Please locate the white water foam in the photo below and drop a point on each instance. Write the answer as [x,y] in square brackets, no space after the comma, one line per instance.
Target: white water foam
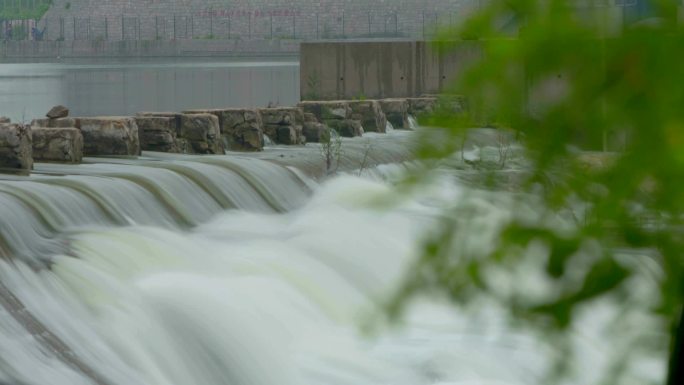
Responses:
[264,299]
[413,123]
[389,127]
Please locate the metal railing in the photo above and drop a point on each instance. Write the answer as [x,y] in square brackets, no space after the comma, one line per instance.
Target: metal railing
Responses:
[255,24]
[245,26]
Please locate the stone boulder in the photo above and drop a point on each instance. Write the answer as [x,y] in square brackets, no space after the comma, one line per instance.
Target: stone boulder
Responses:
[160,133]
[309,117]
[109,135]
[282,116]
[396,111]
[54,123]
[58,112]
[299,116]
[314,131]
[449,102]
[203,133]
[168,114]
[16,151]
[283,125]
[327,110]
[347,128]
[290,135]
[241,128]
[52,144]
[369,113]
[421,106]
[335,114]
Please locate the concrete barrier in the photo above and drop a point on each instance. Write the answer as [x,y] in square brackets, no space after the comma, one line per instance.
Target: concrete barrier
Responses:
[241,128]
[421,106]
[396,111]
[203,133]
[53,144]
[54,123]
[379,69]
[109,135]
[336,114]
[207,131]
[283,125]
[160,133]
[16,150]
[196,132]
[370,114]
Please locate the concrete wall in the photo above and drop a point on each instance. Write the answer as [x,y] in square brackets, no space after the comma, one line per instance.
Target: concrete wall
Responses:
[348,70]
[153,48]
[303,19]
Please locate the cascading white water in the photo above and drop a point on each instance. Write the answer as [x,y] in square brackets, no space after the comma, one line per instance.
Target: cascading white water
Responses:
[389,127]
[413,122]
[250,296]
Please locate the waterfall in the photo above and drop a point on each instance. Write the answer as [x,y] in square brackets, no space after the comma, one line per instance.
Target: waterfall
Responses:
[233,270]
[37,211]
[245,298]
[413,122]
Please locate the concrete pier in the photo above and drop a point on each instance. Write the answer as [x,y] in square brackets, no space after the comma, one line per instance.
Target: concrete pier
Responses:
[109,135]
[204,131]
[16,150]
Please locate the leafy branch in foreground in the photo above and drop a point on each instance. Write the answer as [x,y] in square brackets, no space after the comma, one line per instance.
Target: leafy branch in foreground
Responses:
[566,86]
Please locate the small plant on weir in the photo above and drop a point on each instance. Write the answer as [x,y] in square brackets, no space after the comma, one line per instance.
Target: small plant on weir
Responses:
[331,150]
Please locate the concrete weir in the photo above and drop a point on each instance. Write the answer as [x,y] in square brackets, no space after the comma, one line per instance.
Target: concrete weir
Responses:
[284,125]
[60,138]
[51,144]
[179,137]
[16,150]
[109,135]
[241,128]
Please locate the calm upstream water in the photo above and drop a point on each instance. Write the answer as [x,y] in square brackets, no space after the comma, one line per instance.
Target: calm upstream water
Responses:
[95,87]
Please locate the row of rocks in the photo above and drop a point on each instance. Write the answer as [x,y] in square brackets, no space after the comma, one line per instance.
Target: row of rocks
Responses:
[60,138]
[67,140]
[196,133]
[15,146]
[239,129]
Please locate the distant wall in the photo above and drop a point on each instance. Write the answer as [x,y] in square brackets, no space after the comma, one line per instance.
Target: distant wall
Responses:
[247,19]
[142,48]
[347,70]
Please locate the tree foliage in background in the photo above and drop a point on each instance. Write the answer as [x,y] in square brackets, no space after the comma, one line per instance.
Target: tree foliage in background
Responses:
[565,83]
[24,9]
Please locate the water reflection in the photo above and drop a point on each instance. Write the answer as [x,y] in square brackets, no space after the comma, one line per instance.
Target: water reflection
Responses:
[28,90]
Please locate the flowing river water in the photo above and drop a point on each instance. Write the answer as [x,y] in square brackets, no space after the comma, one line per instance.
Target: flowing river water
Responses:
[244,270]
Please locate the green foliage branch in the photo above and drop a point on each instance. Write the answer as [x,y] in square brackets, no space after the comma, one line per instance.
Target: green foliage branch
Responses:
[566,83]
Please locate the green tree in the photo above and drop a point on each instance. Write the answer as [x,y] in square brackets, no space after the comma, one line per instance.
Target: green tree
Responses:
[566,82]
[23,10]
